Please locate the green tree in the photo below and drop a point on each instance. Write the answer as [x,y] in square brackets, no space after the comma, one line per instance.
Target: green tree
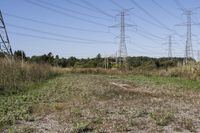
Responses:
[19,54]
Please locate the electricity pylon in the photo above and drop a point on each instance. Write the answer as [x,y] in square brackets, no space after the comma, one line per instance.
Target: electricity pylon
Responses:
[5,46]
[122,51]
[170,47]
[198,55]
[189,53]
[106,62]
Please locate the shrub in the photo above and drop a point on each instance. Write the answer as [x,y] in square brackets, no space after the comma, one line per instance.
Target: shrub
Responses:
[190,71]
[14,76]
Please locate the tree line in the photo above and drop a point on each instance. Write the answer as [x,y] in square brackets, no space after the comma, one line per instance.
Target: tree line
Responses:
[98,61]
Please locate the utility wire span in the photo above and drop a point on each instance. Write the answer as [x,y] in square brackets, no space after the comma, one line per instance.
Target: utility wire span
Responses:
[90,7]
[179,5]
[150,34]
[79,5]
[52,24]
[70,10]
[151,16]
[58,35]
[144,36]
[165,10]
[143,19]
[53,39]
[63,13]
[44,37]
[146,48]
[149,22]
[96,8]
[140,34]
[142,50]
[116,4]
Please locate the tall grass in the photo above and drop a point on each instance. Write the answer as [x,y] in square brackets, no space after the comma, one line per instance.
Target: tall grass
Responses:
[15,77]
[190,71]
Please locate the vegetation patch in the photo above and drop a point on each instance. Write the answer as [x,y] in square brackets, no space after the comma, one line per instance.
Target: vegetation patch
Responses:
[162,117]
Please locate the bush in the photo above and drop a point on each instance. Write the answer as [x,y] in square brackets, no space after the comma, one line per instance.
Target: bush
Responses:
[190,71]
[14,76]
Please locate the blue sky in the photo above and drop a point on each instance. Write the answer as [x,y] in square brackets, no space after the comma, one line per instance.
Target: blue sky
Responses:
[146,39]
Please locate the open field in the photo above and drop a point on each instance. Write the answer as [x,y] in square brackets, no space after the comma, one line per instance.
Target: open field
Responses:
[99,66]
[103,103]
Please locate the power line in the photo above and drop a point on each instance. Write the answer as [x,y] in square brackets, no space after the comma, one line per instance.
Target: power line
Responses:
[69,41]
[143,50]
[151,16]
[147,49]
[147,21]
[96,8]
[147,36]
[50,38]
[139,17]
[69,10]
[179,5]
[89,6]
[144,36]
[80,5]
[154,24]
[148,33]
[53,24]
[58,35]
[165,10]
[116,4]
[63,13]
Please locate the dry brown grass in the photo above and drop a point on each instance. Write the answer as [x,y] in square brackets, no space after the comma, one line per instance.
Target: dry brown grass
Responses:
[94,71]
[14,76]
[190,71]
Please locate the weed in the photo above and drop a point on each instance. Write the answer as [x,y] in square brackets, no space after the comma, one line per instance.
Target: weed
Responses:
[82,127]
[15,78]
[187,124]
[162,117]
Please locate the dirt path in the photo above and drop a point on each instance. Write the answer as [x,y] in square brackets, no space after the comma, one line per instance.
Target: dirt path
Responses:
[185,106]
[99,104]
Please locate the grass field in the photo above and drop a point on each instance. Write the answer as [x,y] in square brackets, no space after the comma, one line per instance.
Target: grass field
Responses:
[102,103]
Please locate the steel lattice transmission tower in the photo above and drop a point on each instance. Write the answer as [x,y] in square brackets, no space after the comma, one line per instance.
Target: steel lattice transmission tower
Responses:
[189,53]
[122,47]
[189,49]
[198,55]
[5,46]
[170,47]
[122,51]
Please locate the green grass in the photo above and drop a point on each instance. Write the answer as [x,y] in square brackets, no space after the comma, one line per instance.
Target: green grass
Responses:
[79,90]
[174,82]
[162,117]
[19,106]
[42,99]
